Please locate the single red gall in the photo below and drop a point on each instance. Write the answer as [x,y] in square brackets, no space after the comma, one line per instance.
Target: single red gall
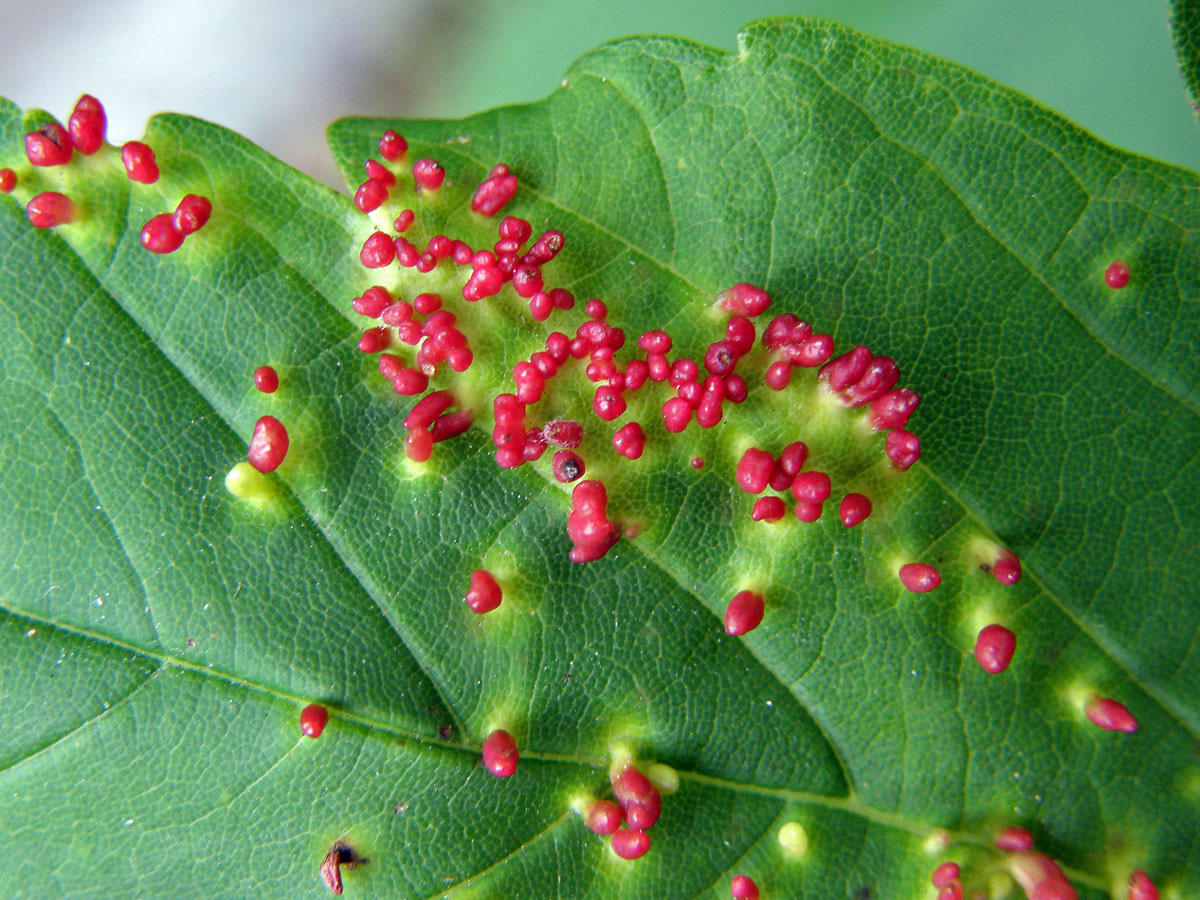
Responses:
[994,648]
[371,195]
[944,874]
[313,719]
[754,470]
[630,844]
[638,798]
[1007,569]
[418,445]
[1013,840]
[1110,715]
[484,594]
[50,145]
[140,164]
[854,508]
[920,578]
[768,509]
[268,444]
[392,146]
[378,250]
[159,235]
[428,408]
[629,441]
[1141,887]
[744,613]
[892,409]
[903,448]
[428,174]
[266,379]
[87,125]
[744,300]
[743,888]
[49,209]
[602,817]
[451,424]
[811,487]
[491,196]
[1116,276]
[192,214]
[500,754]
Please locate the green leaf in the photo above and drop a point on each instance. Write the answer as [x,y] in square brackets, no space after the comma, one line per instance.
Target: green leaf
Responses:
[1185,29]
[164,635]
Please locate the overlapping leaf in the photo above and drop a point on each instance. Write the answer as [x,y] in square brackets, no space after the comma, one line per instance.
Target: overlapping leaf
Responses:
[162,635]
[1185,29]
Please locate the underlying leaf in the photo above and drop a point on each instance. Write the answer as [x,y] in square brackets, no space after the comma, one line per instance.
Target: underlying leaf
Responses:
[165,635]
[1185,29]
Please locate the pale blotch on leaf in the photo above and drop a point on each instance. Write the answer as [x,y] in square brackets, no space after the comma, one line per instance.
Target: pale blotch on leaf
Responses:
[663,777]
[793,839]
[247,483]
[937,841]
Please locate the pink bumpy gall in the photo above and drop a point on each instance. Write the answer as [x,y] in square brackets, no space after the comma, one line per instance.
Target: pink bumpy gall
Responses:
[1007,568]
[1116,276]
[854,509]
[159,235]
[944,874]
[500,754]
[50,145]
[603,817]
[630,844]
[744,613]
[268,444]
[743,888]
[1013,840]
[139,162]
[994,648]
[1110,715]
[638,798]
[1141,887]
[87,125]
[49,209]
[920,578]
[484,594]
[313,719]
[266,379]
[192,214]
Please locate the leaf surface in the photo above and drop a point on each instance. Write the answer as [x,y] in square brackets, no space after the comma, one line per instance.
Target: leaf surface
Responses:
[165,635]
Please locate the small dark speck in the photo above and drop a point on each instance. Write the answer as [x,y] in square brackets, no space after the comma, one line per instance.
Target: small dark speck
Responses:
[984,567]
[863,893]
[400,808]
[445,732]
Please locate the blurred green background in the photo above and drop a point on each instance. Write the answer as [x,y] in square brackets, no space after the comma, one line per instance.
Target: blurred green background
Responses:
[279,70]
[1108,65]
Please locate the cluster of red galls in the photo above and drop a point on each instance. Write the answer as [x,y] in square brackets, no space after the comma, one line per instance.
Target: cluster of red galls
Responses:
[53,145]
[758,469]
[859,378]
[1039,876]
[269,441]
[626,821]
[638,802]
